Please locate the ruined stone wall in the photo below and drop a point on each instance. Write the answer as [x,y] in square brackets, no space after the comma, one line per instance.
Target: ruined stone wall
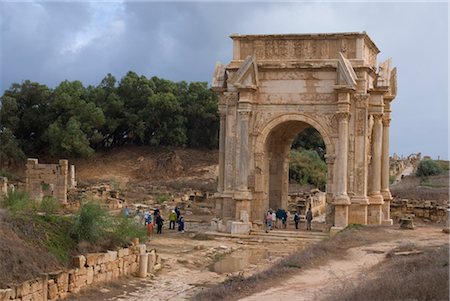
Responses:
[47,180]
[87,270]
[427,210]
[303,200]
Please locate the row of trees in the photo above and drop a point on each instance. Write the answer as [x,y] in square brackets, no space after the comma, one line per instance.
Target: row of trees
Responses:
[75,121]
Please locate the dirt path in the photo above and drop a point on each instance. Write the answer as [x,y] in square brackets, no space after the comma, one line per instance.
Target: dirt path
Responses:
[313,284]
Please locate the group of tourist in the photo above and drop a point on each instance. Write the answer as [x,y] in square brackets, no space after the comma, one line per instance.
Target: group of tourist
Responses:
[150,220]
[278,219]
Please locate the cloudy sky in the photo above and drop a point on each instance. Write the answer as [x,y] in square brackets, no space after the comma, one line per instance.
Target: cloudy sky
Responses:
[48,42]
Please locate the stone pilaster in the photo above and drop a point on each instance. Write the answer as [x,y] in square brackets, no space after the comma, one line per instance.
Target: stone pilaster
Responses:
[385,192]
[243,120]
[375,197]
[222,136]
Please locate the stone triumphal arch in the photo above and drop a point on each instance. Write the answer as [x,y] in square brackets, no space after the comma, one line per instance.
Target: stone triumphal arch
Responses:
[277,85]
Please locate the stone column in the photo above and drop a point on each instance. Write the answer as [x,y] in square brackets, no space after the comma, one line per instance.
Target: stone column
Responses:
[72,182]
[341,162]
[222,133]
[385,192]
[341,200]
[375,197]
[244,115]
[143,265]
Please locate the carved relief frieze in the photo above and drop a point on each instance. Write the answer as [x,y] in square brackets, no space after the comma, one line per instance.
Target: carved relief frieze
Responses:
[231,98]
[360,122]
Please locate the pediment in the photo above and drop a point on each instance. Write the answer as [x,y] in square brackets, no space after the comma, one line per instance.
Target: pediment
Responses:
[247,75]
[346,76]
[219,80]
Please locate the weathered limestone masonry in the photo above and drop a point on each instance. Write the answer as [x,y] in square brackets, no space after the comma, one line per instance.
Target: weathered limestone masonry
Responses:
[434,211]
[91,269]
[49,179]
[278,85]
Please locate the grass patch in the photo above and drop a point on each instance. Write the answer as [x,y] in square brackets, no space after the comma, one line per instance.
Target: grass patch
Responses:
[19,202]
[415,277]
[392,179]
[161,198]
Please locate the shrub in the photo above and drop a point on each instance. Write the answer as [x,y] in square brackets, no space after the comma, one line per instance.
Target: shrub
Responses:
[18,201]
[161,198]
[91,223]
[428,168]
[125,229]
[49,205]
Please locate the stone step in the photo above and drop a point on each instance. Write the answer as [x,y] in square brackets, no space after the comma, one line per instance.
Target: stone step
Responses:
[292,234]
[261,235]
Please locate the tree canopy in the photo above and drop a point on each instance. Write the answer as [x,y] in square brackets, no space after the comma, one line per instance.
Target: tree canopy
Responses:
[75,121]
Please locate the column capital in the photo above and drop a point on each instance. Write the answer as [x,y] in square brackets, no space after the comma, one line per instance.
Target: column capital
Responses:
[386,122]
[377,116]
[342,116]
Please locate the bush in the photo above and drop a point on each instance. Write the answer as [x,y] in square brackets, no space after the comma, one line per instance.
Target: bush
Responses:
[19,201]
[161,198]
[91,223]
[49,205]
[125,229]
[428,168]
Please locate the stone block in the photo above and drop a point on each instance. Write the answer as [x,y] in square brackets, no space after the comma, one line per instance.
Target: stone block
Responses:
[23,289]
[52,291]
[78,261]
[35,285]
[142,249]
[91,259]
[123,252]
[112,255]
[28,297]
[151,261]
[240,228]
[7,294]
[38,296]
[89,275]
[62,281]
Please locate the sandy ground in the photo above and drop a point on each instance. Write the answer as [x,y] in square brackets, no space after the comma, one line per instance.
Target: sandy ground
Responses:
[187,267]
[313,284]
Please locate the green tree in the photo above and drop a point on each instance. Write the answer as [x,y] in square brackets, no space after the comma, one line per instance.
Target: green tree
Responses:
[164,121]
[77,121]
[200,111]
[24,111]
[310,138]
[306,167]
[10,152]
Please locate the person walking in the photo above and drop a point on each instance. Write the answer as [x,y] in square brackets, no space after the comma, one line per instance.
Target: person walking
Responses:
[159,223]
[284,218]
[296,219]
[172,220]
[279,216]
[181,224]
[309,218]
[268,221]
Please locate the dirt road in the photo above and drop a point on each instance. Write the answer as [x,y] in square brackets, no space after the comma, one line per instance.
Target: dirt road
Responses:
[313,284]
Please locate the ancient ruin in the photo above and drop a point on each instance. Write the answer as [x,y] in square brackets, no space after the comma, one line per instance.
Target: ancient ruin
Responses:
[49,179]
[276,86]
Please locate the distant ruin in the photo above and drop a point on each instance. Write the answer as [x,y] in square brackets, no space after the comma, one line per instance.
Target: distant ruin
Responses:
[278,85]
[49,179]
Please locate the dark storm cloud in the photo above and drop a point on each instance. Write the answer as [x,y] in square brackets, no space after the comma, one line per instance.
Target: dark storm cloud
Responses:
[50,42]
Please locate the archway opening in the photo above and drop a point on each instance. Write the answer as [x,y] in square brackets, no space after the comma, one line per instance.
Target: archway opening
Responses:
[295,160]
